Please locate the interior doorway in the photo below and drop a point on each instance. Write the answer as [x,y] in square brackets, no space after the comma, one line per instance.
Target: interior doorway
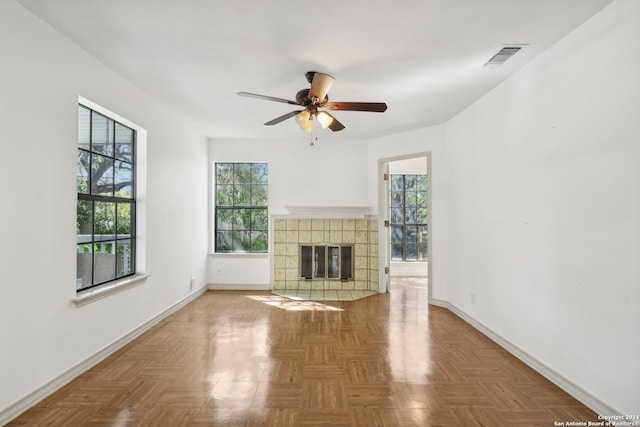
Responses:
[406,206]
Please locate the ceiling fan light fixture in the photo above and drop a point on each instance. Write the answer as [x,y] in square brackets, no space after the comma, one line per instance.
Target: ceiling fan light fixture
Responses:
[308,125]
[324,119]
[303,117]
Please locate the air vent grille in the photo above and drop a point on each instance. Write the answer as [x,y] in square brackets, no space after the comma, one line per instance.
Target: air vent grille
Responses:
[502,56]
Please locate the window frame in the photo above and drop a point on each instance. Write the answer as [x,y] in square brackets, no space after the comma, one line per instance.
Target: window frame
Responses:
[417,226]
[252,209]
[94,198]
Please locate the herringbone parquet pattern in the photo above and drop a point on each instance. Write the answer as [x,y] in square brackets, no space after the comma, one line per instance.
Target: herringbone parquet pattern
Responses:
[237,358]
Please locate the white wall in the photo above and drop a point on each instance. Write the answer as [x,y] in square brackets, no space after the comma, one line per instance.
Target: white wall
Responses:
[43,334]
[413,165]
[330,173]
[543,203]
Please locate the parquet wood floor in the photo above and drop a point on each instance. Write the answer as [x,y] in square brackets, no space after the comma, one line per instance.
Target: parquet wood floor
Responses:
[238,358]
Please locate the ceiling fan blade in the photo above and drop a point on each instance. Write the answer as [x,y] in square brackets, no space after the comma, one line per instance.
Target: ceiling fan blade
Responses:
[282,118]
[267,98]
[320,86]
[376,107]
[335,125]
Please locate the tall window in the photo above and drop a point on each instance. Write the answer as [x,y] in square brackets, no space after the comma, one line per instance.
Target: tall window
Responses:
[106,200]
[408,219]
[241,223]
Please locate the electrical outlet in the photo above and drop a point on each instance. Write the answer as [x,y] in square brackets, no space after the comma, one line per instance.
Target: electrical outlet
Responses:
[473,298]
[192,282]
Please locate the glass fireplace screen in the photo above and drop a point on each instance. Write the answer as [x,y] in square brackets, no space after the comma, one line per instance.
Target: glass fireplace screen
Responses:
[326,262]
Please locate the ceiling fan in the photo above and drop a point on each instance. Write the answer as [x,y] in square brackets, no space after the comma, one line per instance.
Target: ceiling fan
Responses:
[315,102]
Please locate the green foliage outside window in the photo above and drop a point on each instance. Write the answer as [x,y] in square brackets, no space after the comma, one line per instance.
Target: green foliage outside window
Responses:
[408,217]
[241,197]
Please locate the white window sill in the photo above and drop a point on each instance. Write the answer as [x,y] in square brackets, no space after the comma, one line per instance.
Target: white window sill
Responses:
[91,295]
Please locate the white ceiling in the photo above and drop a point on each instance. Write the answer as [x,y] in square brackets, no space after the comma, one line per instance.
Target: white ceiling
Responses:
[424,58]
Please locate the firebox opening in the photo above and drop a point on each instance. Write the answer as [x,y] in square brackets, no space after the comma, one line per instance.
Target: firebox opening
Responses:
[332,262]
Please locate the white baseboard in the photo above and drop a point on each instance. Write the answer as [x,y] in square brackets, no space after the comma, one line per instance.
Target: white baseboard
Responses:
[589,400]
[36,396]
[239,287]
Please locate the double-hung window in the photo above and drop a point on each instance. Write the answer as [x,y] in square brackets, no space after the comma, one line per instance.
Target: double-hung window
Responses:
[106,207]
[408,219]
[241,206]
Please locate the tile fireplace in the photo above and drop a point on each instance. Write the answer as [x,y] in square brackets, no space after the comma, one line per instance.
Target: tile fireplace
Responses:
[325,256]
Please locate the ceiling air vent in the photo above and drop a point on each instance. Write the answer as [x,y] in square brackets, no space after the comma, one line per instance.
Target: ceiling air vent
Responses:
[501,57]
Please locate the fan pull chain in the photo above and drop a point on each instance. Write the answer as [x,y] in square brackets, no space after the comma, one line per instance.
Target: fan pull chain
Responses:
[313,137]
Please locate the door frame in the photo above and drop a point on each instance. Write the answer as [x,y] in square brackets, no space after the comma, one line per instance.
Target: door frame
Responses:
[384,244]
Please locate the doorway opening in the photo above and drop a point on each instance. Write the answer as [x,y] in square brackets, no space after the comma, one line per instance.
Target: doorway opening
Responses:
[406,198]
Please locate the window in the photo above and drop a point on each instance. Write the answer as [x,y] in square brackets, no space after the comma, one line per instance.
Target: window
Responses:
[408,219]
[106,207]
[330,262]
[242,195]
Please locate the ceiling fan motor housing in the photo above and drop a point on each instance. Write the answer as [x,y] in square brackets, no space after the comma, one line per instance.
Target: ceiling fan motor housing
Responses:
[302,98]
[309,75]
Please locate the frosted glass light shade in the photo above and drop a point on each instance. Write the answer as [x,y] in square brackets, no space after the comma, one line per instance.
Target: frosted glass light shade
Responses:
[324,119]
[302,118]
[308,125]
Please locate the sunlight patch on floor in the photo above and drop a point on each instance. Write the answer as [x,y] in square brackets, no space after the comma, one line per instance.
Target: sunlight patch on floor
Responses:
[323,295]
[293,304]
[410,282]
